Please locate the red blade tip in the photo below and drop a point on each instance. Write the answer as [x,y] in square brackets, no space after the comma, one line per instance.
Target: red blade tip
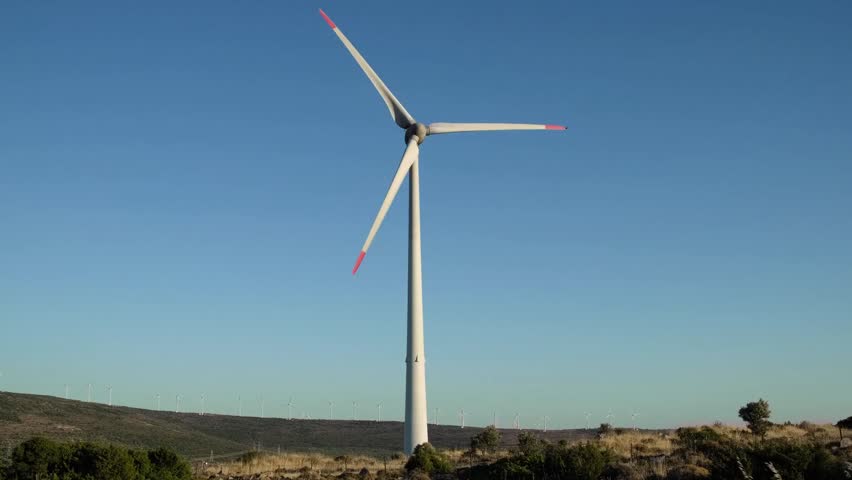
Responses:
[554,127]
[358,262]
[327,20]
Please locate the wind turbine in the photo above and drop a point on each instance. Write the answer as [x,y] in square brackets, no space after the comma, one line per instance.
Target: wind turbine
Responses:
[202,405]
[331,409]
[588,417]
[494,418]
[66,390]
[516,422]
[436,414]
[89,393]
[354,410]
[633,418]
[157,398]
[415,431]
[379,412]
[261,406]
[610,417]
[290,409]
[239,405]
[178,397]
[109,389]
[462,415]
[545,419]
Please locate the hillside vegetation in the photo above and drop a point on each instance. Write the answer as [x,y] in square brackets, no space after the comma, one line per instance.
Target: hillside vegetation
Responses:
[23,416]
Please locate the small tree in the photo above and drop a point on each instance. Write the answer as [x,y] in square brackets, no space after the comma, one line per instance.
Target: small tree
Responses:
[845,423]
[426,459]
[487,440]
[604,429]
[756,415]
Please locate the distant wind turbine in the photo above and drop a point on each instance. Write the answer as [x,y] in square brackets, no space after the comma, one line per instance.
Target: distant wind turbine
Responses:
[379,412]
[588,417]
[89,394]
[354,410]
[494,418]
[545,419]
[290,409]
[633,418]
[157,398]
[177,403]
[331,410]
[462,415]
[202,405]
[610,417]
[436,414]
[109,389]
[516,422]
[66,390]
[239,405]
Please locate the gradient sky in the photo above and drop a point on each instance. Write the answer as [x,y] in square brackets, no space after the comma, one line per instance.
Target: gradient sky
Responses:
[185,188]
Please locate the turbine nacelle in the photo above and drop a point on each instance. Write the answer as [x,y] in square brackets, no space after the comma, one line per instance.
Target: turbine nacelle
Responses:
[417,130]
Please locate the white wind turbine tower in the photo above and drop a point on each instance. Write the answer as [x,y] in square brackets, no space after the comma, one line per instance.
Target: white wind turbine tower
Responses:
[261,406]
[436,415]
[633,418]
[331,410]
[157,399]
[354,410]
[66,390]
[494,418]
[516,422]
[588,417]
[415,431]
[109,389]
[201,412]
[89,393]
[610,417]
[462,415]
[290,409]
[239,405]
[177,403]
[379,412]
[545,419]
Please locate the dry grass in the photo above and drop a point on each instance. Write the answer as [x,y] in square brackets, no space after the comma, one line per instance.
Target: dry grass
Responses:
[629,444]
[293,463]
[638,444]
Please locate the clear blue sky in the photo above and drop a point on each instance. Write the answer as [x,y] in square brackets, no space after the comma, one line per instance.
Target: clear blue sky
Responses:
[184,190]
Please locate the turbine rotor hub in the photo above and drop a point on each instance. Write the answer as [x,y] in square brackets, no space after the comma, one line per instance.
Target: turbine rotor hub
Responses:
[419,130]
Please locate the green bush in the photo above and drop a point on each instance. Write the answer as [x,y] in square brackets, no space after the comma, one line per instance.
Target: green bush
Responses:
[487,440]
[756,415]
[39,457]
[167,465]
[43,458]
[688,472]
[426,459]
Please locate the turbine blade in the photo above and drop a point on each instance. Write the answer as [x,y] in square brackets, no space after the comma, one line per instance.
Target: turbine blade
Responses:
[412,152]
[397,111]
[437,128]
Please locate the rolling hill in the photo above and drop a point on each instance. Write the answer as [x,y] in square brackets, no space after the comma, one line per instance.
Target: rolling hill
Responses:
[23,416]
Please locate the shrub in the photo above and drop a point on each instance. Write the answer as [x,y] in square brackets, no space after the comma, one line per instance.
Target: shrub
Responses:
[167,465]
[756,415]
[487,440]
[688,472]
[620,471]
[529,445]
[845,423]
[42,458]
[426,459]
[604,429]
[39,457]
